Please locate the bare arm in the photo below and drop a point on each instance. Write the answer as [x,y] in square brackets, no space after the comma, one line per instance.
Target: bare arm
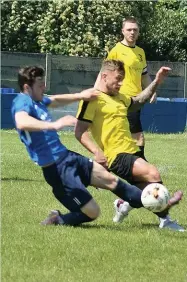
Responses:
[28,123]
[146,81]
[96,85]
[147,93]
[64,99]
[82,135]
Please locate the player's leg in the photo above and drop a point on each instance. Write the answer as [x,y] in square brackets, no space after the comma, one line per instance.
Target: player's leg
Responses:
[136,130]
[144,172]
[100,177]
[65,179]
[139,172]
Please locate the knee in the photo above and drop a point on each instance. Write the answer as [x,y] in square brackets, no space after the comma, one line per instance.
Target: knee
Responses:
[95,213]
[154,175]
[92,210]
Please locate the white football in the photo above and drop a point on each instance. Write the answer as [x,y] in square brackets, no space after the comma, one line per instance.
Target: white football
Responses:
[155,197]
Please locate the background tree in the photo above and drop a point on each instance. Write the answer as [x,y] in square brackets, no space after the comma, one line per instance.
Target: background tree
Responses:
[90,28]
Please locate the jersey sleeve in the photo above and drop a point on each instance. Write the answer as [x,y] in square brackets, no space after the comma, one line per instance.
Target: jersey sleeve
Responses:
[126,100]
[144,64]
[47,101]
[23,104]
[86,111]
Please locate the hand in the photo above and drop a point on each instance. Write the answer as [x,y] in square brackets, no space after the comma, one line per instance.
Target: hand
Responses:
[161,74]
[100,158]
[65,121]
[89,94]
[153,98]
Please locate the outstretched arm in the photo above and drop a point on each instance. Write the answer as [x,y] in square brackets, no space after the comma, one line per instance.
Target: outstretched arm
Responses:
[146,81]
[147,93]
[64,99]
[25,122]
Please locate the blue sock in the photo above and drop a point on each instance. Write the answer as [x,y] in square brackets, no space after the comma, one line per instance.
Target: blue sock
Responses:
[129,193]
[75,218]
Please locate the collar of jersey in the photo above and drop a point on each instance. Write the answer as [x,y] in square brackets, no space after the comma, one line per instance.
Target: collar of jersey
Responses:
[128,46]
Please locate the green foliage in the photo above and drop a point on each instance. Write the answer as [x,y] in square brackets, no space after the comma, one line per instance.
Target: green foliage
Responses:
[81,28]
[90,28]
[19,25]
[166,32]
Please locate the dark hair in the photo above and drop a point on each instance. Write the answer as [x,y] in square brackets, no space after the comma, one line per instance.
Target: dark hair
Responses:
[129,20]
[113,65]
[27,75]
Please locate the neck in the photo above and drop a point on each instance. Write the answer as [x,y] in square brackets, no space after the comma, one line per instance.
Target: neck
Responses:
[127,43]
[102,88]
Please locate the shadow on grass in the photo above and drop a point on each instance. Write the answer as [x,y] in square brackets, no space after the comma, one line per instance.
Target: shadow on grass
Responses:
[19,179]
[118,227]
[129,227]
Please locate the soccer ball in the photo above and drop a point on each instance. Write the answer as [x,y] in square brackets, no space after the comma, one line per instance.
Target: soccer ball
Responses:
[155,197]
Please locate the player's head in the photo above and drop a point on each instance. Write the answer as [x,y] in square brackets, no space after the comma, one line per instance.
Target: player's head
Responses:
[31,81]
[112,75]
[130,30]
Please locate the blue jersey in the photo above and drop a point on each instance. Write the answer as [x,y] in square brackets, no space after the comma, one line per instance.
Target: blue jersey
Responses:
[44,147]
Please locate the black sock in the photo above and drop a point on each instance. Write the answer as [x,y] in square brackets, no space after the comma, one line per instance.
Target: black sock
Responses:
[162,214]
[142,149]
[142,152]
[129,193]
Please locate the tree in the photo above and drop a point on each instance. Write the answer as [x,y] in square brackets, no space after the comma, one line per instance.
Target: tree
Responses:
[19,24]
[166,37]
[90,28]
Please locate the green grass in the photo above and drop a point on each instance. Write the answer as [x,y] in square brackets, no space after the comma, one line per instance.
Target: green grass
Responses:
[135,250]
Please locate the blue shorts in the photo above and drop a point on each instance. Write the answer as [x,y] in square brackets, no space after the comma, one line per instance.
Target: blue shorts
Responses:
[69,178]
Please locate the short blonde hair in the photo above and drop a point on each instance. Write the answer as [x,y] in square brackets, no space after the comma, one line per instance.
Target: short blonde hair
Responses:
[129,20]
[112,65]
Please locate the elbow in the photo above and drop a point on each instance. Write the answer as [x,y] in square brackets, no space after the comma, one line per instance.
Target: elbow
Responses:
[20,126]
[78,134]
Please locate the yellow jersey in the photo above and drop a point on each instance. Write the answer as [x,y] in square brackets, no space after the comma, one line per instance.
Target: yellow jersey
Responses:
[108,124]
[135,66]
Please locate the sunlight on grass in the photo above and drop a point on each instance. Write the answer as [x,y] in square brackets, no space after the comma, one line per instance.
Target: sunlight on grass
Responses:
[135,250]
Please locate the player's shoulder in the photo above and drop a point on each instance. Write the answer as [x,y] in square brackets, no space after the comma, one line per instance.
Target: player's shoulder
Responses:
[114,47]
[22,98]
[126,99]
[139,49]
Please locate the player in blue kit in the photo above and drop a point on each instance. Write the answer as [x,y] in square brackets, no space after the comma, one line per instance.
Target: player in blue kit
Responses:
[67,172]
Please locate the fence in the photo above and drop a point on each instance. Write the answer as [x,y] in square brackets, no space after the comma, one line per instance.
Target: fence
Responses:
[73,74]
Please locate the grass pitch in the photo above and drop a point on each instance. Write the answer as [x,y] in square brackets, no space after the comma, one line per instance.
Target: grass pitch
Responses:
[135,250]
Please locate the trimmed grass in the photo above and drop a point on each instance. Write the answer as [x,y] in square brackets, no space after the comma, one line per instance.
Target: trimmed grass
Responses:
[135,250]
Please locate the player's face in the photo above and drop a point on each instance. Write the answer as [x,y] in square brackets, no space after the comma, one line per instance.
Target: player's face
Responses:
[114,81]
[130,32]
[38,88]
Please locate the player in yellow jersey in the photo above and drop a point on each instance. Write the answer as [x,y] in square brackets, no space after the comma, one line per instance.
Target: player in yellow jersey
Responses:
[115,149]
[136,75]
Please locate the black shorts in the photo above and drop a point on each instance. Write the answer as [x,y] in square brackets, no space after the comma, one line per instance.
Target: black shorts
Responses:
[122,165]
[135,121]
[69,178]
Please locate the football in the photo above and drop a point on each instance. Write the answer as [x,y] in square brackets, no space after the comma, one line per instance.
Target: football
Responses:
[155,197]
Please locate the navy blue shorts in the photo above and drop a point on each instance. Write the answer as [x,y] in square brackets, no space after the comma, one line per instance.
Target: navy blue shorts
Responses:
[69,178]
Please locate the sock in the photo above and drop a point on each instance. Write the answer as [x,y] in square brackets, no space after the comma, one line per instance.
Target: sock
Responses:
[142,149]
[142,152]
[162,214]
[74,218]
[129,193]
